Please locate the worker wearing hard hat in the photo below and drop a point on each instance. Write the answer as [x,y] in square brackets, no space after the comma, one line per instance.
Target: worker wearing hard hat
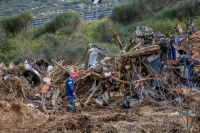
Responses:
[69,90]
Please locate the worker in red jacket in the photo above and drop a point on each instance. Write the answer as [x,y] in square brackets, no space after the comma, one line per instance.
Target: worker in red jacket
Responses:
[69,90]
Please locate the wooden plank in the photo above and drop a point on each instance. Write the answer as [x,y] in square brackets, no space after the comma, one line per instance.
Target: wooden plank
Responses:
[92,94]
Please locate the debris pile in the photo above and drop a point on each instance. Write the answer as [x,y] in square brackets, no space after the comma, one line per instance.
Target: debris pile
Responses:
[154,70]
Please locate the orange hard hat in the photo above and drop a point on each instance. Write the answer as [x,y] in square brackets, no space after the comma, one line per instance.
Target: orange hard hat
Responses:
[74,73]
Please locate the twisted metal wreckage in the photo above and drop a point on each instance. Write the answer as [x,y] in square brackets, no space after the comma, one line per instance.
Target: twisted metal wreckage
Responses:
[157,68]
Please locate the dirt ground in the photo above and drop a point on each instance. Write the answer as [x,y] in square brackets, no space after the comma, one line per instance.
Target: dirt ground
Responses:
[16,116]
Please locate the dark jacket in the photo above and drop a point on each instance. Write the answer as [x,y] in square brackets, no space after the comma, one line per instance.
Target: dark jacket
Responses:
[69,87]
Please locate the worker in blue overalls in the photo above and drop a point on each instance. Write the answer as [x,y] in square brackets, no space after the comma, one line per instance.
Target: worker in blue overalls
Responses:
[69,90]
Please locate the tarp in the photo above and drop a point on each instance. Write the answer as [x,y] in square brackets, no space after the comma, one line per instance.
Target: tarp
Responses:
[186,73]
[172,52]
[154,67]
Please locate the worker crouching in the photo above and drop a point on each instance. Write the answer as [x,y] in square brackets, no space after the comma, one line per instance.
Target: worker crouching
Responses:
[69,90]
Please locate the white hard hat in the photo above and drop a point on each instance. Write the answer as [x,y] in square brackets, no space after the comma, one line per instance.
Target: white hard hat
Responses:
[50,68]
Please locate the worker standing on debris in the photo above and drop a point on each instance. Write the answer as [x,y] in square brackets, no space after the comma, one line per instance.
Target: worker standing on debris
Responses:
[69,90]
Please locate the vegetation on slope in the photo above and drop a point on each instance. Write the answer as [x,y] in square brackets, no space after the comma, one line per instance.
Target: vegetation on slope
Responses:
[68,38]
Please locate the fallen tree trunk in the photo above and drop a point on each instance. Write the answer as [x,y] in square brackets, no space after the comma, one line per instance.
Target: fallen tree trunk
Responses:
[92,94]
[140,52]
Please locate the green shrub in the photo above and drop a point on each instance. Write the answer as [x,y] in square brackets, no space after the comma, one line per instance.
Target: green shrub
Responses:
[17,23]
[49,27]
[74,53]
[86,28]
[66,30]
[102,33]
[77,38]
[126,13]
[166,13]
[164,26]
[8,52]
[113,48]
[50,39]
[17,60]
[47,52]
[68,18]
[101,16]
[36,33]
[197,23]
[4,59]
[182,10]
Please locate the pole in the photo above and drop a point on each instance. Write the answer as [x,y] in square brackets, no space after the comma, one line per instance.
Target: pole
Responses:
[96,10]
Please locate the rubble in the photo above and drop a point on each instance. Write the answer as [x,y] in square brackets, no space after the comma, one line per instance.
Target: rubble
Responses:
[154,71]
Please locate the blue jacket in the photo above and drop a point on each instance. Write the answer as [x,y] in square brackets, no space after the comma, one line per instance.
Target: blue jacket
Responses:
[69,87]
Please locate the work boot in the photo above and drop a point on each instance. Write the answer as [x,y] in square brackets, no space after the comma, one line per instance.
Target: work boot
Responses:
[73,111]
[68,110]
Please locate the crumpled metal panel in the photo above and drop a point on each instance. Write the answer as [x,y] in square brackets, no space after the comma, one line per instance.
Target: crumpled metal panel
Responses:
[190,45]
[154,66]
[29,72]
[142,31]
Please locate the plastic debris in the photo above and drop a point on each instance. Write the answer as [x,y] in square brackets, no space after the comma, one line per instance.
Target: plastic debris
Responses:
[32,105]
[185,112]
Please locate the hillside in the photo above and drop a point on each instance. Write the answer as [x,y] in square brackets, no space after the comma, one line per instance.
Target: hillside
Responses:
[49,8]
[68,38]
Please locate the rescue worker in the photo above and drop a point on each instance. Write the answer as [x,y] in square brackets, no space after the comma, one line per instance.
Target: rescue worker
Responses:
[69,90]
